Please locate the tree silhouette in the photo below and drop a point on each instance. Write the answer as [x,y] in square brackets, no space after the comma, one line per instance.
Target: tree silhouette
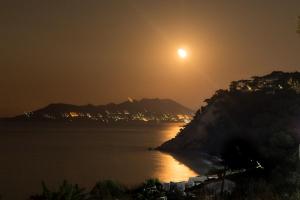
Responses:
[108,190]
[66,191]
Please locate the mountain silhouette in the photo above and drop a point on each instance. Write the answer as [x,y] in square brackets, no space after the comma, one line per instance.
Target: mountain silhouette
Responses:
[130,110]
[257,116]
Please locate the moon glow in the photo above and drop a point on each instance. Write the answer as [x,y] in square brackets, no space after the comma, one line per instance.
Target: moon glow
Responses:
[182,53]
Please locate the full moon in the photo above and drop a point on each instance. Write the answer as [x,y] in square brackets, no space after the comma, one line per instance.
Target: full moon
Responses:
[182,53]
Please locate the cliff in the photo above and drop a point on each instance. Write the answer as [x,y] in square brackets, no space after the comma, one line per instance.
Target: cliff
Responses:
[257,118]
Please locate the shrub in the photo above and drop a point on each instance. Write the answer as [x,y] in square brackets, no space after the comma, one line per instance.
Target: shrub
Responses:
[65,192]
[108,190]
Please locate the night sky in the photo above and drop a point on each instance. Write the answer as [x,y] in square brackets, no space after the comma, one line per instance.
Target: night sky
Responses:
[97,52]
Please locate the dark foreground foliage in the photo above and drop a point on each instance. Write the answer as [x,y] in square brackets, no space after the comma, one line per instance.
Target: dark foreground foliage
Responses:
[251,185]
[65,192]
[103,190]
[108,190]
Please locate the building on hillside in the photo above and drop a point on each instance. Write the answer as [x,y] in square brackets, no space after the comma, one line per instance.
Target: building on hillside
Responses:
[190,184]
[216,186]
[197,179]
[166,186]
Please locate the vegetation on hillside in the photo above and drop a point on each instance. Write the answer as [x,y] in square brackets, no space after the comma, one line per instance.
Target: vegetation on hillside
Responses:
[253,123]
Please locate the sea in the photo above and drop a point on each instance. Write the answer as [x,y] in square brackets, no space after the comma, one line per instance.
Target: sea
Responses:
[85,155]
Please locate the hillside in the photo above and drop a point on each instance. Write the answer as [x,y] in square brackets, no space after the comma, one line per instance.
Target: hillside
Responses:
[131,110]
[256,118]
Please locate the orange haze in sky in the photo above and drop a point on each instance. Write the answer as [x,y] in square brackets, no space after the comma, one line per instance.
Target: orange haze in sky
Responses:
[97,52]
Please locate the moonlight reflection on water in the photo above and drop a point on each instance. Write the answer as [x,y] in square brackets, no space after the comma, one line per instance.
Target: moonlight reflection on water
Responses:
[168,168]
[171,170]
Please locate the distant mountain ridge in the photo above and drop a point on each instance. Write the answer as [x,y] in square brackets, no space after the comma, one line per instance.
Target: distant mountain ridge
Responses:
[131,110]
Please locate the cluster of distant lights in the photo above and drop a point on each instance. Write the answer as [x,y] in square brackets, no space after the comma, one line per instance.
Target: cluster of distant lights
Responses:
[124,117]
[133,117]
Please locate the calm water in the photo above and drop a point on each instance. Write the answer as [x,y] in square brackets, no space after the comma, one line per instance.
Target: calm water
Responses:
[84,156]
